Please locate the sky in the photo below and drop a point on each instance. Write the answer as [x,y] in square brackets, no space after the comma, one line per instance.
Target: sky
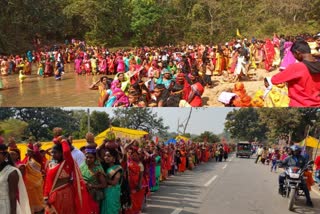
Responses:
[202,119]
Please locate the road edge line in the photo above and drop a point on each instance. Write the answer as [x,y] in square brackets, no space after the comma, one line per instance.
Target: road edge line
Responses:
[210,181]
[177,211]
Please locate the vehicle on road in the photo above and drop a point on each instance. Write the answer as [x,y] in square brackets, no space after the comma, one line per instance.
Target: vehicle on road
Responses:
[294,179]
[244,149]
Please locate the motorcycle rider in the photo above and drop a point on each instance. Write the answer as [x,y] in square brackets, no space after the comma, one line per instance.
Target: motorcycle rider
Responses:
[295,160]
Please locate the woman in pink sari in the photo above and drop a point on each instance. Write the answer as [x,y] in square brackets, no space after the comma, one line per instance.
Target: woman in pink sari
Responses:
[288,55]
[102,65]
[77,65]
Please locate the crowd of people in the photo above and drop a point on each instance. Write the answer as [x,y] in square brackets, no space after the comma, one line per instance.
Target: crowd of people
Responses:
[115,177]
[177,76]
[289,156]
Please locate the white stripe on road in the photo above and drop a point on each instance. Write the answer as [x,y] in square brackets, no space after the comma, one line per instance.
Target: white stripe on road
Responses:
[225,166]
[210,181]
[177,211]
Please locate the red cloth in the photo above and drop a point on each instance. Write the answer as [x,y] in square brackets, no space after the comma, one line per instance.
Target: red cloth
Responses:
[269,54]
[183,164]
[317,162]
[137,197]
[303,87]
[71,197]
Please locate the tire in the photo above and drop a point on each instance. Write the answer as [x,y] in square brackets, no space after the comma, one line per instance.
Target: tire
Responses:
[292,197]
[237,155]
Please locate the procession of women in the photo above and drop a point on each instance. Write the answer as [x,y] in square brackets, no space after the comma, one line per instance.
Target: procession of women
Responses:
[114,177]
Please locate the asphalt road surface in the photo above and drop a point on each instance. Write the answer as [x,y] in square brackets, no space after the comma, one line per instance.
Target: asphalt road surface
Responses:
[237,186]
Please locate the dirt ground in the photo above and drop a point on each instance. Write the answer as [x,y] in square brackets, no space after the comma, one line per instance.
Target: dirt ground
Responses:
[210,96]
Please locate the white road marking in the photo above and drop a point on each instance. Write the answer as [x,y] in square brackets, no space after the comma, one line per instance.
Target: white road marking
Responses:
[177,211]
[225,166]
[210,181]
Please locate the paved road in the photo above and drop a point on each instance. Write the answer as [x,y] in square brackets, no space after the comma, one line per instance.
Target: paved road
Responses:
[238,186]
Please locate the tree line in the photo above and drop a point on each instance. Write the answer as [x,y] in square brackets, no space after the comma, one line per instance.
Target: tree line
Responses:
[38,123]
[270,125]
[150,22]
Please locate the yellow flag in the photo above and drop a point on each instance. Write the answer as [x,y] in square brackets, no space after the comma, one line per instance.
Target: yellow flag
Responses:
[238,33]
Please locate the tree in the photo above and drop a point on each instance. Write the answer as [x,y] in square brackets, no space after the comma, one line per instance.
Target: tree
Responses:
[281,122]
[41,121]
[142,119]
[243,124]
[13,128]
[207,136]
[99,121]
[6,113]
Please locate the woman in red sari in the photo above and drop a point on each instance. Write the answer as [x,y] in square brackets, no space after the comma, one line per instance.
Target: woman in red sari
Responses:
[197,89]
[182,166]
[181,80]
[269,54]
[135,171]
[65,190]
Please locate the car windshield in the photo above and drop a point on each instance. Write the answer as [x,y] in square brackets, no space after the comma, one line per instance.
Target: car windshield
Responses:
[244,147]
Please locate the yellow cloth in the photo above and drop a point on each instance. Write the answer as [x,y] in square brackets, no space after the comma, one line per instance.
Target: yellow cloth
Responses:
[257,101]
[119,132]
[311,142]
[182,138]
[34,185]
[277,97]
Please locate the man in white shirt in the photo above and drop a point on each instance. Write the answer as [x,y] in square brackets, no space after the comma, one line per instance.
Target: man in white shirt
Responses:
[259,153]
[77,155]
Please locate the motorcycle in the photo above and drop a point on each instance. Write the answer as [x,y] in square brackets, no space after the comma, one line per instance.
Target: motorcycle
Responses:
[292,187]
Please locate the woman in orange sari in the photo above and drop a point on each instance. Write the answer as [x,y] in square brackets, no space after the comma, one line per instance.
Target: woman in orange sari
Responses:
[135,170]
[183,158]
[33,178]
[65,190]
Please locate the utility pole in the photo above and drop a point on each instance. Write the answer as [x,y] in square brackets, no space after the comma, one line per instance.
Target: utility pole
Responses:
[185,127]
[88,112]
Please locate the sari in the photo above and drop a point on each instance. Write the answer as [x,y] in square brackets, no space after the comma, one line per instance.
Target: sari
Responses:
[277,96]
[111,204]
[269,54]
[102,96]
[125,85]
[183,164]
[137,197]
[34,184]
[90,177]
[71,197]
[220,64]
[157,174]
[152,172]
[23,206]
[288,56]
[197,90]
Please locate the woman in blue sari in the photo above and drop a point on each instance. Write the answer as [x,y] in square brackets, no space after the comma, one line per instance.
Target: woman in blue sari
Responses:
[111,204]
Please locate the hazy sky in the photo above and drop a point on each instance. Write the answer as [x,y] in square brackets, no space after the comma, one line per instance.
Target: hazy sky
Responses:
[202,119]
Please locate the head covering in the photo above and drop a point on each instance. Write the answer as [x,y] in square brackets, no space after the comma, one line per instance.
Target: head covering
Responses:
[295,148]
[166,71]
[269,88]
[3,148]
[90,150]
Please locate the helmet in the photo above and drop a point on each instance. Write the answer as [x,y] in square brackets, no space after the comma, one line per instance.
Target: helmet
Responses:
[295,148]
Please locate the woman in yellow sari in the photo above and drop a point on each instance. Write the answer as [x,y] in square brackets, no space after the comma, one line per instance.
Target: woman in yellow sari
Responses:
[33,178]
[275,95]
